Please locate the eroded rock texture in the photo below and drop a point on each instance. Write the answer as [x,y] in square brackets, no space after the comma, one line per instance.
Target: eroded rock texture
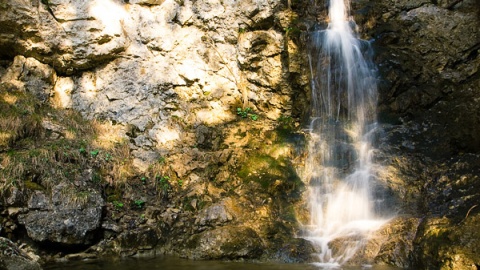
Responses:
[157,66]
[428,57]
[69,215]
[193,89]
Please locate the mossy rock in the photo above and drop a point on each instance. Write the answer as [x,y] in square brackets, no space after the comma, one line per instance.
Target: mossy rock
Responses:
[33,186]
[443,244]
[273,175]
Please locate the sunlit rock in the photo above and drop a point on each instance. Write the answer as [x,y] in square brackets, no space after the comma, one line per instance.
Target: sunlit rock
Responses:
[66,34]
[170,76]
[213,216]
[62,96]
[28,74]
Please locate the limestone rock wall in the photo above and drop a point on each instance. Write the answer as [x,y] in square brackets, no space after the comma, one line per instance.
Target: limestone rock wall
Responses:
[149,64]
[204,95]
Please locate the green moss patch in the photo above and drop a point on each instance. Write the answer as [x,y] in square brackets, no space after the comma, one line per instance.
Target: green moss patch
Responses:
[273,175]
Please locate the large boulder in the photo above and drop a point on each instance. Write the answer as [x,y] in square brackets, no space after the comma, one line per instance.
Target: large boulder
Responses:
[231,242]
[68,215]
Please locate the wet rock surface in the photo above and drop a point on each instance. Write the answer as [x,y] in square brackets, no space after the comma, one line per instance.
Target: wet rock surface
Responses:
[430,81]
[427,54]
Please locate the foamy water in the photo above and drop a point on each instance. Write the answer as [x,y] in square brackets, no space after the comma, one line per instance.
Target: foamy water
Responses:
[339,166]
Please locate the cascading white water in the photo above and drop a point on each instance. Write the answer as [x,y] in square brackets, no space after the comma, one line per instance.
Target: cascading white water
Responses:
[339,165]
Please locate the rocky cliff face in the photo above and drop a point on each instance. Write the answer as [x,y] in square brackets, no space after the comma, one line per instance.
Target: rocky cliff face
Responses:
[428,57]
[159,67]
[189,148]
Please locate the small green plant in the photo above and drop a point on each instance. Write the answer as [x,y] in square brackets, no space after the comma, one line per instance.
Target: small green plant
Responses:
[247,113]
[284,118]
[163,181]
[94,153]
[117,204]
[180,182]
[285,122]
[243,113]
[291,30]
[143,179]
[82,150]
[108,157]
[242,30]
[139,203]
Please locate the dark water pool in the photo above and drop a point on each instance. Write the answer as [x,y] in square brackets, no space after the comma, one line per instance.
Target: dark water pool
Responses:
[168,263]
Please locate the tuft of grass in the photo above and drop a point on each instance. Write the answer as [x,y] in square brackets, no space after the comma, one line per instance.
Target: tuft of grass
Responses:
[139,204]
[18,117]
[32,159]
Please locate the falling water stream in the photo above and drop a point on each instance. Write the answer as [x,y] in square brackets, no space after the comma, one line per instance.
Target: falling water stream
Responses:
[343,122]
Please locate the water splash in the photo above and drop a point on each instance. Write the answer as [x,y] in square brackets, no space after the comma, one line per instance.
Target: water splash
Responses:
[343,123]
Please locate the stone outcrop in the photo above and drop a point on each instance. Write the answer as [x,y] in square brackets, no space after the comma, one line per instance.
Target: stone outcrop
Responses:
[69,215]
[429,58]
[151,64]
[67,35]
[230,242]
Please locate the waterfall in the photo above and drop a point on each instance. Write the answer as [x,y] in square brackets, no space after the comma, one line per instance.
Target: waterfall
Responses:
[343,123]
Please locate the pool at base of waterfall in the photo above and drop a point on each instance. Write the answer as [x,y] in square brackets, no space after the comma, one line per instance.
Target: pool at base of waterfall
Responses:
[172,263]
